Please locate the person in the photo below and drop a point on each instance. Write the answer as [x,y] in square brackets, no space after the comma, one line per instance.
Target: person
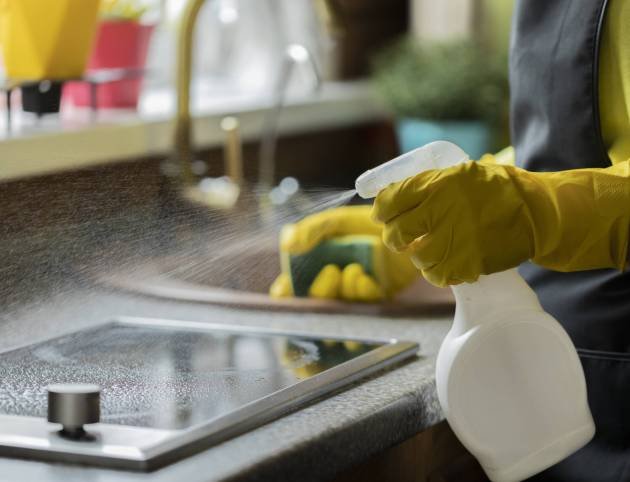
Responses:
[562,212]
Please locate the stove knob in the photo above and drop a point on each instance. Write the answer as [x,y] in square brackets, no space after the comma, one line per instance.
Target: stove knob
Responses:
[73,405]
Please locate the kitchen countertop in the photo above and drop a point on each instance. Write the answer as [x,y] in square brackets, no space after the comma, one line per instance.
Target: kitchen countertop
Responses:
[341,430]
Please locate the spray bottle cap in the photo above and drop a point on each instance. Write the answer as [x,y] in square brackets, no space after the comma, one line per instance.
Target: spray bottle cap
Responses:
[436,155]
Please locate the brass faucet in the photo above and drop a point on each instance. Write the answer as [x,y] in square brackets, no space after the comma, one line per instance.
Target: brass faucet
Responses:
[183,137]
[183,150]
[221,193]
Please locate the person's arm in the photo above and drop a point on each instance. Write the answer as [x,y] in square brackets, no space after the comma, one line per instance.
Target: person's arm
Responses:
[481,218]
[507,157]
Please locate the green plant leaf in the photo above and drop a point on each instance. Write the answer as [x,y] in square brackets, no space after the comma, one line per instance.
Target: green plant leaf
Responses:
[454,80]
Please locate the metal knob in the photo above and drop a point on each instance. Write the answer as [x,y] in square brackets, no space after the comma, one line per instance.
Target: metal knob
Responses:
[73,405]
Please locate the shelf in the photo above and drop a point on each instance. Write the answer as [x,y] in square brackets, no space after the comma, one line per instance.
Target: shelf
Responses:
[76,139]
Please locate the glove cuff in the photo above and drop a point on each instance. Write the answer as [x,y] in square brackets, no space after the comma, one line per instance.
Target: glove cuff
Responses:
[580,218]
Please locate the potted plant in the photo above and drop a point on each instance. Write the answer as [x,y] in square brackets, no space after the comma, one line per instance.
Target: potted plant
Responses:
[450,90]
[122,42]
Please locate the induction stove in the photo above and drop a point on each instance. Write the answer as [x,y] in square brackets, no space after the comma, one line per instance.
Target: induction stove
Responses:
[167,388]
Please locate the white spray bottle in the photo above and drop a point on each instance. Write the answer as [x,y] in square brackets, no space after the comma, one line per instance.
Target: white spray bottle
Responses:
[508,377]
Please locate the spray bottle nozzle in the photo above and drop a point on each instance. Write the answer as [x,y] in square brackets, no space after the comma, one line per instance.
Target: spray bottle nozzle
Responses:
[435,155]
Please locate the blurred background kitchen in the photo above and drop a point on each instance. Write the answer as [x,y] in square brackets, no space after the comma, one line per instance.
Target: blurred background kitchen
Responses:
[138,127]
[151,151]
[419,69]
[159,146]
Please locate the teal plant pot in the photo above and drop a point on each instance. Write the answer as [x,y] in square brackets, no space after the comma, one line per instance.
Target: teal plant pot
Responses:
[473,137]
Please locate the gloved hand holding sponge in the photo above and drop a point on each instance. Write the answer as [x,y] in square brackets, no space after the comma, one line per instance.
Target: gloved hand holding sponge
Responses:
[339,254]
[476,218]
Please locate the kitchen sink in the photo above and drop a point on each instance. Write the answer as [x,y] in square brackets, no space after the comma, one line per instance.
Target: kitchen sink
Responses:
[231,258]
[241,278]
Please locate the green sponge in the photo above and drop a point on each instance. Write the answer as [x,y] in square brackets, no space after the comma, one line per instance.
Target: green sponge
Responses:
[342,251]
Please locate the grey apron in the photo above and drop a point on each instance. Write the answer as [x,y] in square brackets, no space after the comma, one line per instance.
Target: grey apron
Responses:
[555,126]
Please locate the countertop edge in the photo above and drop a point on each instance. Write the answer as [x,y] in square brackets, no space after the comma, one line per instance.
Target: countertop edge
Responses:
[410,415]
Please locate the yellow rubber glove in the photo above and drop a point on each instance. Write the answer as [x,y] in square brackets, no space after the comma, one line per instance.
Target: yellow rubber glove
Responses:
[479,218]
[394,272]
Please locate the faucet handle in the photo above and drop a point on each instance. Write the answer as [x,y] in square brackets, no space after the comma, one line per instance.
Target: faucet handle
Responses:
[233,149]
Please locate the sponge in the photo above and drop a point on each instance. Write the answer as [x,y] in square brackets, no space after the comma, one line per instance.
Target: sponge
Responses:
[341,251]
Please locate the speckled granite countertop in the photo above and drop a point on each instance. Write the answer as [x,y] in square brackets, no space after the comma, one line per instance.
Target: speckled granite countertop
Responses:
[341,430]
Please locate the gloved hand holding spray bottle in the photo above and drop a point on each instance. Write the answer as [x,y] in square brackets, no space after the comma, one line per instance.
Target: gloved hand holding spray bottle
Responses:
[508,377]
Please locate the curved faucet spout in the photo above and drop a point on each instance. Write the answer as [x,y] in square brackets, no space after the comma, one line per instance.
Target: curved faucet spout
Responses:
[183,123]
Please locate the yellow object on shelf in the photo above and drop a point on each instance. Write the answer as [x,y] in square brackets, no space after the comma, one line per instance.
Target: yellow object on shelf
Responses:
[122,9]
[47,39]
